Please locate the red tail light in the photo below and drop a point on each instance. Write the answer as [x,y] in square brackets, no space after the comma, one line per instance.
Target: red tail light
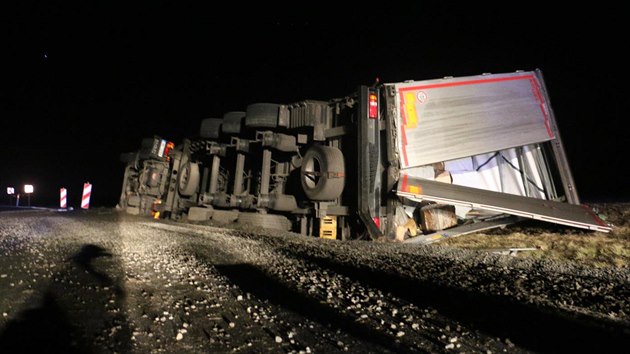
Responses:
[373,102]
[169,146]
[377,221]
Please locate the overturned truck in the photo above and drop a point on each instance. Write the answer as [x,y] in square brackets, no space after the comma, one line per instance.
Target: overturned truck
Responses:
[430,159]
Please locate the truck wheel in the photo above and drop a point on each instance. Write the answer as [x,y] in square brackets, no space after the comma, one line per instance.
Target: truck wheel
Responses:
[267,221]
[262,115]
[133,201]
[210,128]
[189,179]
[232,122]
[323,173]
[225,216]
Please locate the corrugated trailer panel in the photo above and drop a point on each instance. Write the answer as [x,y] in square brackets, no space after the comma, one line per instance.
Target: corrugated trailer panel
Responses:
[445,119]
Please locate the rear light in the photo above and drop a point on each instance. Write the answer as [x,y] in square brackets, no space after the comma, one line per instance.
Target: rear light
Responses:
[373,102]
[377,221]
[169,146]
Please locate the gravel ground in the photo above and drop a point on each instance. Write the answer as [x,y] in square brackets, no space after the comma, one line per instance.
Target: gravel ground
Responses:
[102,281]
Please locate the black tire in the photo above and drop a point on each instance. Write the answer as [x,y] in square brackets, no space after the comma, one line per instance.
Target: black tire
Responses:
[146,147]
[188,180]
[210,128]
[262,115]
[133,210]
[232,122]
[225,216]
[147,143]
[323,173]
[267,221]
[133,201]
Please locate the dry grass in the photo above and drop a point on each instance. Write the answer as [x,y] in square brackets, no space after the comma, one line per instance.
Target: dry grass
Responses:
[555,242]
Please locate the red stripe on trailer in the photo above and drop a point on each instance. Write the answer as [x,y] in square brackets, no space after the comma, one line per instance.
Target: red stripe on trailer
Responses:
[541,103]
[85,200]
[404,183]
[404,145]
[403,133]
[402,111]
[469,82]
[596,217]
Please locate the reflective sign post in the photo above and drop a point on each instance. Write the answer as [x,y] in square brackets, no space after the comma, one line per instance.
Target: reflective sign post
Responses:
[62,198]
[87,191]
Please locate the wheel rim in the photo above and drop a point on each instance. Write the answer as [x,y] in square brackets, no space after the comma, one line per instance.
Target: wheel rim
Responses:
[312,173]
[183,178]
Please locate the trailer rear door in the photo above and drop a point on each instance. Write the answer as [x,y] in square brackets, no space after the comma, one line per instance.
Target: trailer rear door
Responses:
[446,119]
[453,118]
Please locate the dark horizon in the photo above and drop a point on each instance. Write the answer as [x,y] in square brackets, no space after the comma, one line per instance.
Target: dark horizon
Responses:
[83,83]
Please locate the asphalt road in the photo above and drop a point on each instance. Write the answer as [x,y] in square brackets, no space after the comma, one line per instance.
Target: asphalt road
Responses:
[101,281]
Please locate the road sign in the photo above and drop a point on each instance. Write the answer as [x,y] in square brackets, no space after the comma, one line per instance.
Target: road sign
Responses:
[87,191]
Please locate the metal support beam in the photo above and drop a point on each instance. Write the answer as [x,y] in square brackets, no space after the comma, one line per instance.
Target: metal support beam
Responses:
[238,175]
[204,181]
[265,172]
[560,155]
[214,174]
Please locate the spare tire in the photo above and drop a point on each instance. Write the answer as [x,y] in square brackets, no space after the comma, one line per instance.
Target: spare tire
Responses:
[188,179]
[232,122]
[323,173]
[210,128]
[262,115]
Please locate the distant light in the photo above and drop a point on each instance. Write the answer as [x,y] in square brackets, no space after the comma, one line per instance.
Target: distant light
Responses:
[28,188]
[10,190]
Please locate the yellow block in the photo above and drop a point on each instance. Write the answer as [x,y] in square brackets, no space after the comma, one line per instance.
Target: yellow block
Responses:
[410,109]
[415,189]
[328,227]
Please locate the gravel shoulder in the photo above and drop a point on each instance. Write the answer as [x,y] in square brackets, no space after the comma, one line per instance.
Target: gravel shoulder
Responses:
[102,281]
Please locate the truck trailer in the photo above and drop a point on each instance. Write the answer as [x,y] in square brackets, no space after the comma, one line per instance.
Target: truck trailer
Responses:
[415,161]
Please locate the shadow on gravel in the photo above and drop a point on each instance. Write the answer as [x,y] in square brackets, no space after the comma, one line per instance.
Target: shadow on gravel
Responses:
[534,328]
[84,258]
[45,329]
[254,281]
[80,312]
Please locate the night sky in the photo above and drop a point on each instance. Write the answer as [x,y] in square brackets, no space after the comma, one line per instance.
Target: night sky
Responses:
[83,82]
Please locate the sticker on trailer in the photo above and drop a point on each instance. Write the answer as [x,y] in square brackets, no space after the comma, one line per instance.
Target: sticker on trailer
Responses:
[422,97]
